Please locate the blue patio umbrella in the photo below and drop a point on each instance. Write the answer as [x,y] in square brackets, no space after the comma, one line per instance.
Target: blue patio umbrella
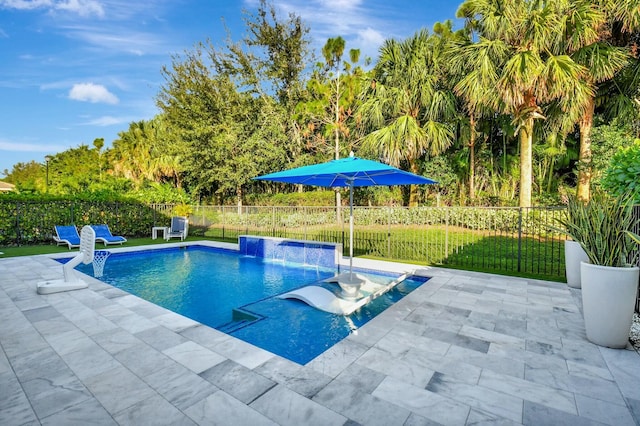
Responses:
[347,172]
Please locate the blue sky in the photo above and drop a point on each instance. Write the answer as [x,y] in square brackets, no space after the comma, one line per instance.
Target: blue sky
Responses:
[75,70]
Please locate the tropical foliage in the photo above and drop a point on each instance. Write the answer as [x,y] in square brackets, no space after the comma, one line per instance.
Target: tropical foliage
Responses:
[525,103]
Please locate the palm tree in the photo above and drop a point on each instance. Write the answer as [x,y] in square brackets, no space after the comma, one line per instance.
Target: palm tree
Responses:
[407,108]
[603,61]
[523,38]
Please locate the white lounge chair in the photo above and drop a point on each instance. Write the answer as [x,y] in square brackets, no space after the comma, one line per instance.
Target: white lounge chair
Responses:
[179,228]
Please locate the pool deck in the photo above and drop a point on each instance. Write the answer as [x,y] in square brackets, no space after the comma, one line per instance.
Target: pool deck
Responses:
[465,348]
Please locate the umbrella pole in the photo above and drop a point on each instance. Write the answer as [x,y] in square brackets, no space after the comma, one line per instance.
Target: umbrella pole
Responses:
[351,232]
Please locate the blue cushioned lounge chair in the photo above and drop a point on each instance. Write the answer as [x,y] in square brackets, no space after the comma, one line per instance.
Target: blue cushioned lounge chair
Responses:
[103,235]
[67,235]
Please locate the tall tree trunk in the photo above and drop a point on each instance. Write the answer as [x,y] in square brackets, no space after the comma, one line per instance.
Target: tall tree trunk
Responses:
[239,199]
[413,189]
[472,157]
[526,162]
[584,159]
[336,134]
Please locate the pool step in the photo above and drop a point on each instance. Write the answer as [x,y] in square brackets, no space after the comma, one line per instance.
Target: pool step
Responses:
[233,326]
[241,319]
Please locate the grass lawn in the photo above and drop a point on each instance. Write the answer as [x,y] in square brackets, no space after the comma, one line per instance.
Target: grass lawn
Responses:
[52,248]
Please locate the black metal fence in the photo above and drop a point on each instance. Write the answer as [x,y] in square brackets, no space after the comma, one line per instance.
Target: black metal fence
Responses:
[502,240]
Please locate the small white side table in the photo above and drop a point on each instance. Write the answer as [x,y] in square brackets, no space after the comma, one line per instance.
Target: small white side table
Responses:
[155,229]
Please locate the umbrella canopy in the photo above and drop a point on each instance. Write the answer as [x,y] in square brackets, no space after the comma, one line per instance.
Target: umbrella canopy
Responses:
[351,171]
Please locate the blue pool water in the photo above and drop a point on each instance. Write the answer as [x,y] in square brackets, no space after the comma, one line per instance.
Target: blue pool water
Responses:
[236,294]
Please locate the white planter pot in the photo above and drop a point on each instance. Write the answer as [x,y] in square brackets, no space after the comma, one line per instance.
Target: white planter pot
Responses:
[608,300]
[574,254]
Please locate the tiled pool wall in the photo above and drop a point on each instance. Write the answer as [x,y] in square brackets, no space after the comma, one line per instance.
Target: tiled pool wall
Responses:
[326,255]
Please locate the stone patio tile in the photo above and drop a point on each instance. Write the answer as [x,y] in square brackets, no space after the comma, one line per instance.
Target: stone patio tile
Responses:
[91,322]
[588,371]
[91,299]
[118,389]
[36,364]
[206,336]
[175,322]
[399,341]
[238,381]
[422,402]
[509,366]
[625,368]
[603,390]
[417,420]
[530,358]
[5,366]
[154,410]
[479,397]
[117,340]
[160,337]
[126,318]
[389,365]
[338,357]
[44,313]
[371,334]
[492,336]
[242,352]
[193,356]
[88,412]
[478,417]
[305,381]
[70,341]
[460,370]
[180,386]
[14,405]
[360,406]
[220,408]
[286,407]
[90,361]
[634,409]
[529,391]
[605,412]
[143,360]
[22,340]
[362,378]
[57,392]
[54,326]
[537,414]
[457,339]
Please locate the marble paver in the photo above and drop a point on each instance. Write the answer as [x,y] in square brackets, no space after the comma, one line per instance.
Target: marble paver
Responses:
[465,348]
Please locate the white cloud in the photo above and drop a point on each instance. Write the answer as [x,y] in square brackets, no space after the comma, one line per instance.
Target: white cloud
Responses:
[370,37]
[94,93]
[107,120]
[80,7]
[30,147]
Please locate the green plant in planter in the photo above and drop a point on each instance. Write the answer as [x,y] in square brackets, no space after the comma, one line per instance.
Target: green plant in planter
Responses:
[603,227]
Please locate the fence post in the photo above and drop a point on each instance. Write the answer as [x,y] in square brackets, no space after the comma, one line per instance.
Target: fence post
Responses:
[388,231]
[273,221]
[446,232]
[18,223]
[520,238]
[304,209]
[223,221]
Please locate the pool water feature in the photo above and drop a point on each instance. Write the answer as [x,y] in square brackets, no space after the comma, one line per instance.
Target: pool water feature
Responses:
[237,294]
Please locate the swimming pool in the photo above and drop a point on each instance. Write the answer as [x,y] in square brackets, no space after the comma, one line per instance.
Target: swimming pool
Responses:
[237,294]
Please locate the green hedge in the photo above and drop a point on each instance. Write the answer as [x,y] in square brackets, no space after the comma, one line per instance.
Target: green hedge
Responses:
[32,222]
